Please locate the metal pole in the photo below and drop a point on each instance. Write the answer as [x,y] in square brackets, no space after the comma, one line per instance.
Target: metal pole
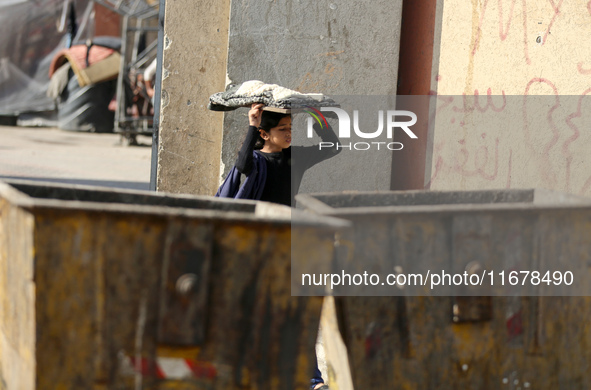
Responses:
[157,95]
[136,39]
[120,91]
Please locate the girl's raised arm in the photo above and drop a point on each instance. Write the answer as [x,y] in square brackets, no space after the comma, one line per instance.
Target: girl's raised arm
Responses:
[244,162]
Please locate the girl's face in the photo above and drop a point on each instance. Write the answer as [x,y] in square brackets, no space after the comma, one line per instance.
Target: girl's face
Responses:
[279,137]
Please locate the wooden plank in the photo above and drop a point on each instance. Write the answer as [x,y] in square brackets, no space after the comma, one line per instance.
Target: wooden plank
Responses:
[277,109]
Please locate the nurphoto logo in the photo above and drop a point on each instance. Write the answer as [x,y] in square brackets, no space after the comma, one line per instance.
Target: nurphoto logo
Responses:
[317,115]
[392,119]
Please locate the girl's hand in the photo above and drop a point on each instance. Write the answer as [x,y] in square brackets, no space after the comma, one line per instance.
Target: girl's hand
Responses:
[255,113]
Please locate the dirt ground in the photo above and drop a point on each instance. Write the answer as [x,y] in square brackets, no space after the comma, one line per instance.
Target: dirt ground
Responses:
[55,155]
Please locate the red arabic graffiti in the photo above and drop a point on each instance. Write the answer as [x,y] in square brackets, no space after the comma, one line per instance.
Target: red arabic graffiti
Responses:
[550,134]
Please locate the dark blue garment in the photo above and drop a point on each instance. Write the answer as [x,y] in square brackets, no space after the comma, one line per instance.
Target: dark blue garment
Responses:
[317,377]
[253,185]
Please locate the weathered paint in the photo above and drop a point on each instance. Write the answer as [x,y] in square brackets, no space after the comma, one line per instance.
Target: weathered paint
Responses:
[82,294]
[17,298]
[413,342]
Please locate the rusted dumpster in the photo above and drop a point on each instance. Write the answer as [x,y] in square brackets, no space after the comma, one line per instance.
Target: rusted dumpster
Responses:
[487,335]
[103,289]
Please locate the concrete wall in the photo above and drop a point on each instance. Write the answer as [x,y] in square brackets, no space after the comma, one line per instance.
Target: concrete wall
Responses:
[481,47]
[331,47]
[536,50]
[194,67]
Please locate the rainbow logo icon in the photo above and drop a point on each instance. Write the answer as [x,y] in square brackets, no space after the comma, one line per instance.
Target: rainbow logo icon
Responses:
[317,115]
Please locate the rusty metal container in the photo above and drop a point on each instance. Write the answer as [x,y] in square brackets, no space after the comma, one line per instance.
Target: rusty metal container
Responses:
[481,337]
[103,289]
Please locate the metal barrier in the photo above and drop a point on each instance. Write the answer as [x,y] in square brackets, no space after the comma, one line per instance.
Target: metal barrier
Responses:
[485,336]
[127,289]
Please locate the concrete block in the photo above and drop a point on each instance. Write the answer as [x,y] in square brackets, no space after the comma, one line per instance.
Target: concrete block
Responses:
[328,47]
[194,67]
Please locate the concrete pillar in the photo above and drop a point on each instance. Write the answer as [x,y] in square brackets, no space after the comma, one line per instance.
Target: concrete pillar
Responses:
[419,40]
[194,67]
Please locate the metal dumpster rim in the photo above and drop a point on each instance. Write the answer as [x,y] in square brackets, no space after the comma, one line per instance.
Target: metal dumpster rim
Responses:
[312,203]
[262,213]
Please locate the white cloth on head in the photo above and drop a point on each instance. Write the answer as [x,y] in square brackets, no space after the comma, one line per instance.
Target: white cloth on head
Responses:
[272,95]
[258,88]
